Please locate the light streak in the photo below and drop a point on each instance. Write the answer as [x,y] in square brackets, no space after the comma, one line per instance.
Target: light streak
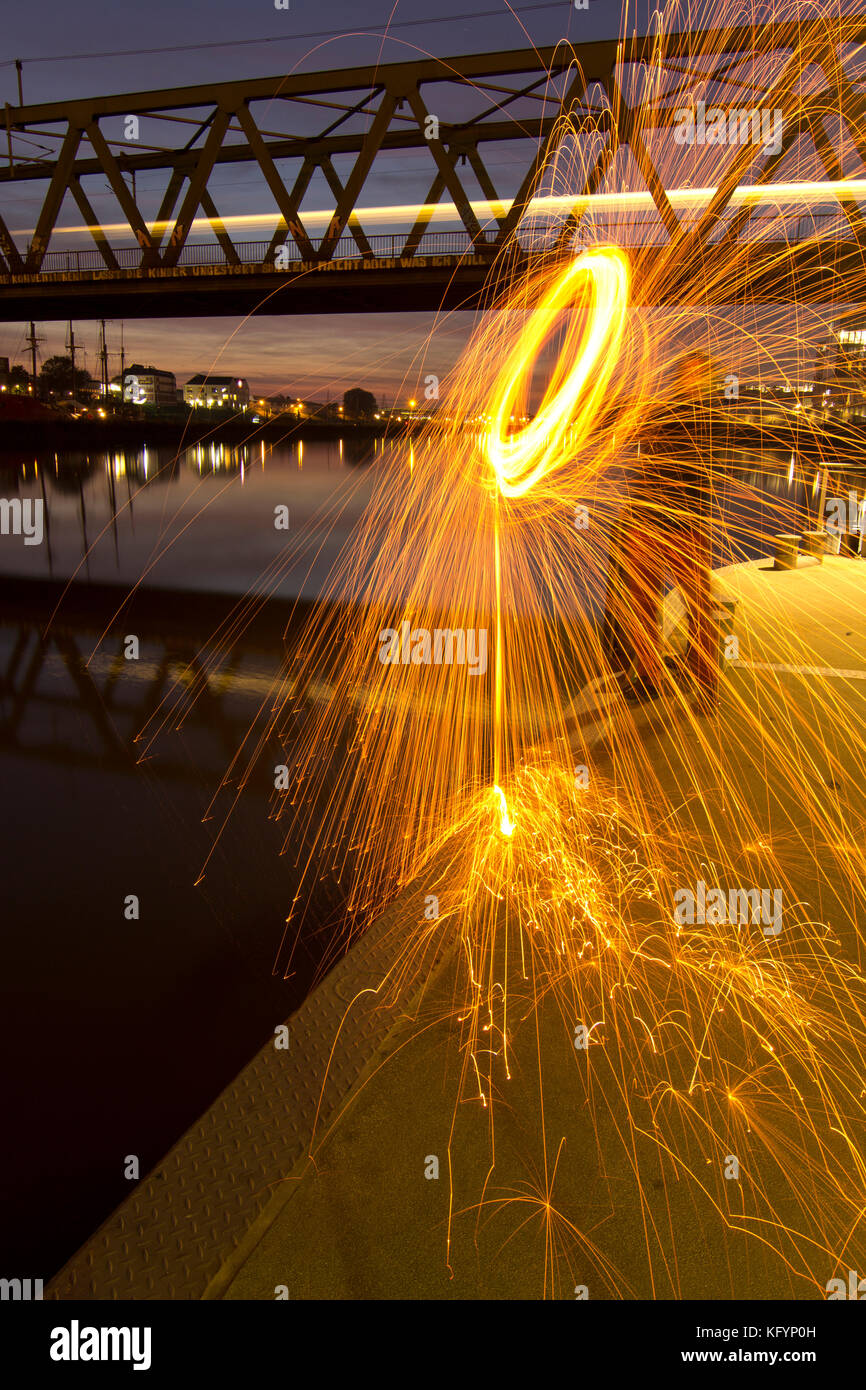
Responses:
[777,195]
[506,824]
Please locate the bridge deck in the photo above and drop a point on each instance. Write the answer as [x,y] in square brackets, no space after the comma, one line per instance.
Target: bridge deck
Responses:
[74,288]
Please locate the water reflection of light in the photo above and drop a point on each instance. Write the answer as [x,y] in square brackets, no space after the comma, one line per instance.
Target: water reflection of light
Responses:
[341,448]
[791,471]
[300,453]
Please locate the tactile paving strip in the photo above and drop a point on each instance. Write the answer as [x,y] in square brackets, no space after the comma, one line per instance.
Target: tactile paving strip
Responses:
[183,1221]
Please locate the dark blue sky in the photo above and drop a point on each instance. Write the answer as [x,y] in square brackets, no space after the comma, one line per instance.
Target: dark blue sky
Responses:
[57,29]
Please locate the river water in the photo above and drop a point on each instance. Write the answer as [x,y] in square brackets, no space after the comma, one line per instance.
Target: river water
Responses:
[202,519]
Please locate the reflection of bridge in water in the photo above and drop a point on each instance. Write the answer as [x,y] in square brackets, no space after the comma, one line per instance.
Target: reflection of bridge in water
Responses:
[450,114]
[50,679]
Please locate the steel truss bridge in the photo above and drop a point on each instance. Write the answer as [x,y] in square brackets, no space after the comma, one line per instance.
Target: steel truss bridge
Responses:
[338,131]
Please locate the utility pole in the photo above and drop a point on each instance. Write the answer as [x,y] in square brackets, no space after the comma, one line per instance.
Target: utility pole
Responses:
[71,345]
[122,355]
[103,359]
[32,340]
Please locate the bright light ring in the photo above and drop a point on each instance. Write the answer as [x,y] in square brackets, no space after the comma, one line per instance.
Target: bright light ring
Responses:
[519,460]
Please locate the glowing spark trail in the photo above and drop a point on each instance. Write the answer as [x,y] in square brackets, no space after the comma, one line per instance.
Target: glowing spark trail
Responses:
[519,460]
[685,1041]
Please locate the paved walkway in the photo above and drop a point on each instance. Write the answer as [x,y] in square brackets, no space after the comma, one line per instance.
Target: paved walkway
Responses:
[237,1210]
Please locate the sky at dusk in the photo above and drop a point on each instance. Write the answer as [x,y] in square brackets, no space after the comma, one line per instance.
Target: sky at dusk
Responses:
[97,47]
[308,356]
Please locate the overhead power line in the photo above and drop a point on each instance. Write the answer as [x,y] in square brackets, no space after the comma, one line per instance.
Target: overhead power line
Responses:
[501,13]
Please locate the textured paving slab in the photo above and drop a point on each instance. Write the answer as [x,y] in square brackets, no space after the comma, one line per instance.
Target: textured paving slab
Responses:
[175,1231]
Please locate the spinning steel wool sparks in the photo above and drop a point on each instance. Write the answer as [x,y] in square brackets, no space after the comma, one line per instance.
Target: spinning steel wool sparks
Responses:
[700,1039]
[521,459]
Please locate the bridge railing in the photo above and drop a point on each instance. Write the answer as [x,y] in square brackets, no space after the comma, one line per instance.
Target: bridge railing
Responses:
[389,245]
[636,230]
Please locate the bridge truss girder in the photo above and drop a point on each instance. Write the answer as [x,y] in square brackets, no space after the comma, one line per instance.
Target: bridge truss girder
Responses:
[455,111]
